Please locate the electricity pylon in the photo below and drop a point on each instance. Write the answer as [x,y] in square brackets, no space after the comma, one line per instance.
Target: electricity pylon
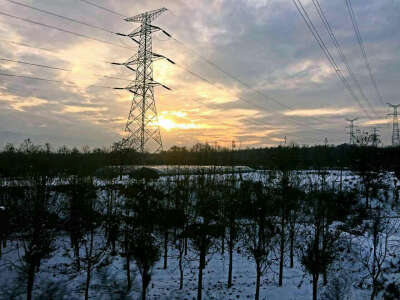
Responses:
[375,137]
[351,130]
[395,132]
[142,130]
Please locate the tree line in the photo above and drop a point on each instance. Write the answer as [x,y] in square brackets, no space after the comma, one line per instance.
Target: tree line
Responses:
[15,160]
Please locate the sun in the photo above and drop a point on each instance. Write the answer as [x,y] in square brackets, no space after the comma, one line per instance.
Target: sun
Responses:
[166,121]
[167,124]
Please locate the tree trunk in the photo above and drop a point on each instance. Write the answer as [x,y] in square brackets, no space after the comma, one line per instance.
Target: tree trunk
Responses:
[374,262]
[291,251]
[186,246]
[144,288]
[128,271]
[223,243]
[282,250]
[113,252]
[373,294]
[31,278]
[315,286]
[76,254]
[324,243]
[200,284]
[180,271]
[257,296]
[165,250]
[200,281]
[230,260]
[341,178]
[88,275]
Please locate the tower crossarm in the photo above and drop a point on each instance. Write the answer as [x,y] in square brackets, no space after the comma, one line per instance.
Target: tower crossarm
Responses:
[150,15]
[148,27]
[393,105]
[157,56]
[134,89]
[135,61]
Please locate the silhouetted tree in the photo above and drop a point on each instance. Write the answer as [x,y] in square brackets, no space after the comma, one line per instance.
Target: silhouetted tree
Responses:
[259,229]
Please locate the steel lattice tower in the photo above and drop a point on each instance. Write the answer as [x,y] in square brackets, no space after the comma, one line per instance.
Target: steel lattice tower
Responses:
[142,131]
[351,130]
[396,132]
[375,137]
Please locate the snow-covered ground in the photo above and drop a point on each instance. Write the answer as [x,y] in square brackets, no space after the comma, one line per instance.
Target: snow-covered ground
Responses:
[58,280]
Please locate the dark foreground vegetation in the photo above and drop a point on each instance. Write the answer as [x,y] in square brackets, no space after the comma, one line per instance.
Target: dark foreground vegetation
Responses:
[277,217]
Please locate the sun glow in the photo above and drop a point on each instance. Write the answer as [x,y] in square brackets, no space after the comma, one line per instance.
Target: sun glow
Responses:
[170,120]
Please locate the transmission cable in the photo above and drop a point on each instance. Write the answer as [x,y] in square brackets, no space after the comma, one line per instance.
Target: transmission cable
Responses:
[50,80]
[269,98]
[327,53]
[245,100]
[53,51]
[57,68]
[88,37]
[63,30]
[60,16]
[104,8]
[363,51]
[340,52]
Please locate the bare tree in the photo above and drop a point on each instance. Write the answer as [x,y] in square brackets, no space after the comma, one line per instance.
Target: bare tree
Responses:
[375,248]
[259,229]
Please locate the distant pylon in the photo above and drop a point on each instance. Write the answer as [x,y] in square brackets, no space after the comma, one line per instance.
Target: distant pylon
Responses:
[395,132]
[142,132]
[375,137]
[351,130]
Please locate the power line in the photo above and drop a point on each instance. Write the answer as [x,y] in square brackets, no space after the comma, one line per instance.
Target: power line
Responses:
[69,70]
[243,99]
[53,51]
[32,64]
[70,32]
[63,30]
[84,36]
[59,16]
[362,47]
[28,46]
[340,52]
[269,98]
[197,100]
[255,122]
[57,68]
[49,80]
[104,8]
[327,53]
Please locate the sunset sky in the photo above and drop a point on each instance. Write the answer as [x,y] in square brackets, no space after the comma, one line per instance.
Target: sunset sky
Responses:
[265,44]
